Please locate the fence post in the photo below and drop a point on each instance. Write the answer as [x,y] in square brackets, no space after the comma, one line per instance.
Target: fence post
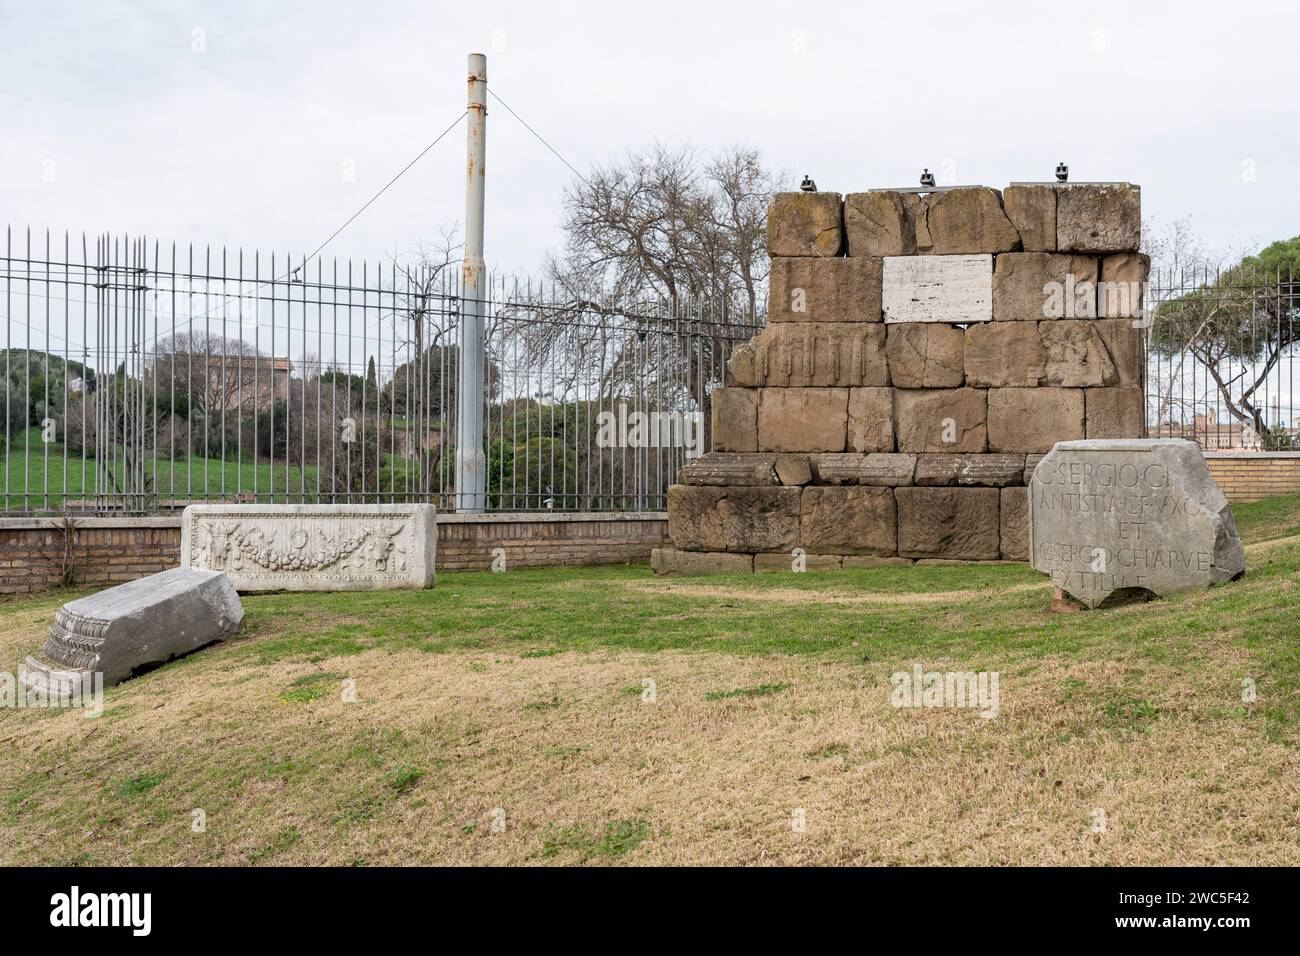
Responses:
[471,487]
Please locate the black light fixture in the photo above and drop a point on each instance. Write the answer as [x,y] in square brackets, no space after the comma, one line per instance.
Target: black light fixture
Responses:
[927,179]
[1062,172]
[807,186]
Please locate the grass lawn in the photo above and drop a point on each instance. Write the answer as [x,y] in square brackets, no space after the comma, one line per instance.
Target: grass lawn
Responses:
[187,477]
[503,718]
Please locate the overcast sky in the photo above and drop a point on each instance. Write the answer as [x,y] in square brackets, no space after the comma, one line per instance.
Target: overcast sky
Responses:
[239,122]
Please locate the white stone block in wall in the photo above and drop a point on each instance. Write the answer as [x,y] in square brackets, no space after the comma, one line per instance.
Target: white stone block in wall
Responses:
[956,289]
[313,547]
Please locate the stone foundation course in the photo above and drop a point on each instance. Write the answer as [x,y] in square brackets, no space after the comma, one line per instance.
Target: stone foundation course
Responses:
[924,349]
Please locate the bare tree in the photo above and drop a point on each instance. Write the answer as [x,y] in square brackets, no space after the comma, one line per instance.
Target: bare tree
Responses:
[664,224]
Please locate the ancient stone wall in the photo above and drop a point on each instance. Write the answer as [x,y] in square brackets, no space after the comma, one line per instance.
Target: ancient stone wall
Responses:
[923,349]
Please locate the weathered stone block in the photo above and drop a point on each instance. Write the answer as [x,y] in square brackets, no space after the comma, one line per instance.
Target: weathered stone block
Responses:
[812,354]
[803,419]
[940,420]
[847,521]
[955,289]
[145,622]
[1122,517]
[924,355]
[970,220]
[778,563]
[1124,345]
[1031,462]
[702,518]
[735,419]
[877,224]
[726,468]
[886,469]
[1032,210]
[1103,217]
[1031,420]
[805,289]
[917,206]
[871,419]
[1004,354]
[1121,294]
[1076,355]
[1114,412]
[794,469]
[990,470]
[955,523]
[673,561]
[1014,532]
[805,224]
[1028,286]
[313,547]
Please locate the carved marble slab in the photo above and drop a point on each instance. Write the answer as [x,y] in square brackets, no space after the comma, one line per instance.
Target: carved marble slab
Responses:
[313,547]
[956,289]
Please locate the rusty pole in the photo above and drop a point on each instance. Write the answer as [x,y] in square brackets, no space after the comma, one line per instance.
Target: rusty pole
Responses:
[471,486]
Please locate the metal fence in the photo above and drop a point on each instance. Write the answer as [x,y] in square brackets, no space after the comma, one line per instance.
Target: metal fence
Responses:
[141,378]
[1221,357]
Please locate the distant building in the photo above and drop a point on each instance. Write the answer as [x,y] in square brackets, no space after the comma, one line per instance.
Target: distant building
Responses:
[247,382]
[1214,435]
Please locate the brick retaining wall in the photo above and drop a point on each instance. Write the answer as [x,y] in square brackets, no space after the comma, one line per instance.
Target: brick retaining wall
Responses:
[108,551]
[1250,476]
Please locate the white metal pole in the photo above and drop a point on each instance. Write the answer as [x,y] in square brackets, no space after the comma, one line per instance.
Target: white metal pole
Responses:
[471,485]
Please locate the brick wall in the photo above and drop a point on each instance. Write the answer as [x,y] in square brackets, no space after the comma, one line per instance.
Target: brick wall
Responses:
[1250,476]
[108,551]
[465,542]
[103,551]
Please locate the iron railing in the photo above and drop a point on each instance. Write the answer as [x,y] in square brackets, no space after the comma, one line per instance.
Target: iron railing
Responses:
[141,378]
[1221,357]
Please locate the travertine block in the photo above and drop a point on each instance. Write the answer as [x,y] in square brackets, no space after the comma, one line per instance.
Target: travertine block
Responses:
[954,289]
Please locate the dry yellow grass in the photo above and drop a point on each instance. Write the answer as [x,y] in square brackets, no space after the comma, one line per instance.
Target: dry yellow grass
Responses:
[584,770]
